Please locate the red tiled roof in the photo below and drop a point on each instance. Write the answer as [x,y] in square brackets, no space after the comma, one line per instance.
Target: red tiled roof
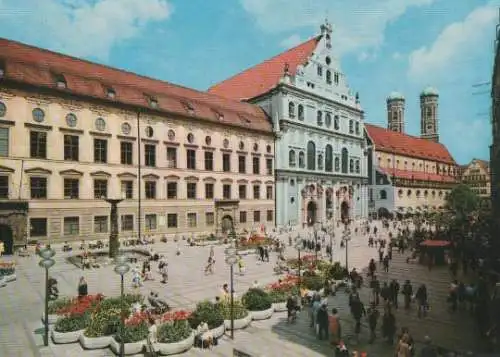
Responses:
[417,175]
[38,67]
[407,145]
[263,77]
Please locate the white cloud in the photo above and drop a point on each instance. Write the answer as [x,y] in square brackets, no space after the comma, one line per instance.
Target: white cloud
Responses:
[396,56]
[457,43]
[366,56]
[291,41]
[358,24]
[79,27]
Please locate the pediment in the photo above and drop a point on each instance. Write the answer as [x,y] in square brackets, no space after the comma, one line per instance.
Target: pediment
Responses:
[242,181]
[209,179]
[100,174]
[6,169]
[269,183]
[257,182]
[38,170]
[191,178]
[226,180]
[70,173]
[126,175]
[172,177]
[150,177]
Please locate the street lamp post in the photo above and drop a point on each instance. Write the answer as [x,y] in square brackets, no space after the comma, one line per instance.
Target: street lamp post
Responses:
[47,262]
[298,246]
[231,259]
[121,269]
[114,244]
[331,233]
[346,238]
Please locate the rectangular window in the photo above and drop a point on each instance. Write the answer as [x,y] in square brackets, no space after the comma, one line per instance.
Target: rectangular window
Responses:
[38,144]
[71,226]
[269,192]
[226,192]
[256,192]
[209,191]
[269,215]
[209,218]
[243,216]
[71,189]
[172,220]
[242,192]
[100,224]
[38,187]
[127,221]
[150,187]
[242,164]
[226,162]
[150,155]
[127,189]
[191,218]
[4,142]
[4,186]
[269,167]
[171,158]
[191,190]
[100,150]
[256,165]
[71,147]
[357,128]
[100,189]
[256,216]
[209,161]
[150,222]
[171,190]
[38,227]
[126,150]
[191,159]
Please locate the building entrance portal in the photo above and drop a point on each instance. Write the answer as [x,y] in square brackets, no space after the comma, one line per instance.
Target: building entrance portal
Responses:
[227,224]
[7,238]
[344,211]
[312,211]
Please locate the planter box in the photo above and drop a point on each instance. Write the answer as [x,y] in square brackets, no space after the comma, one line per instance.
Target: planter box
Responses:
[66,337]
[167,349]
[279,306]
[131,348]
[262,315]
[94,343]
[52,318]
[10,277]
[216,332]
[2,282]
[239,323]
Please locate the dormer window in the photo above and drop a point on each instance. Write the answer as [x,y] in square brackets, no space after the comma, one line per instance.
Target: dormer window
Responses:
[60,81]
[110,92]
[188,107]
[244,119]
[328,77]
[153,102]
[219,116]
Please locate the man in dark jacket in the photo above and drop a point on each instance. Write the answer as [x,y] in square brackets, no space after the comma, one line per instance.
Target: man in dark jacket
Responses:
[407,292]
[394,288]
[389,326]
[373,316]
[322,321]
[358,311]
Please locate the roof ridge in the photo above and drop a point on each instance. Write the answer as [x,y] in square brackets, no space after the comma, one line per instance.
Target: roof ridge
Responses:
[403,134]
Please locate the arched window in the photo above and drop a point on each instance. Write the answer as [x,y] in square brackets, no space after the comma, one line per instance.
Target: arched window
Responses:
[357,128]
[328,77]
[417,194]
[320,117]
[320,162]
[329,158]
[311,156]
[302,161]
[336,122]
[351,127]
[337,164]
[400,193]
[328,120]
[300,110]
[291,109]
[291,158]
[429,113]
[345,160]
[358,168]
[351,165]
[395,117]
[383,194]
[408,193]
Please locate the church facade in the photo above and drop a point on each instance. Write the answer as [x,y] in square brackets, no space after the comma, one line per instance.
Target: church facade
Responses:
[320,152]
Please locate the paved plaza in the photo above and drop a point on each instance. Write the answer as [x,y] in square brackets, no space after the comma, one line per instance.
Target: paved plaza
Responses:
[22,302]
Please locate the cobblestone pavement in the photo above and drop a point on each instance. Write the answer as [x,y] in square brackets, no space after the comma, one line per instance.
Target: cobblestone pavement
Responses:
[22,301]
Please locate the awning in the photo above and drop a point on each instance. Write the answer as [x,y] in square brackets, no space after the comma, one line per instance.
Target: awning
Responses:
[435,243]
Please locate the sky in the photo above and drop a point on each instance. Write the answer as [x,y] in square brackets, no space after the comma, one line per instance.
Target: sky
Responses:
[384,46]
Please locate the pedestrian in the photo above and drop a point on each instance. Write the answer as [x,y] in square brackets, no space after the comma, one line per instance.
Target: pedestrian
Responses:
[373,316]
[394,288]
[403,347]
[358,311]
[334,327]
[407,293]
[389,326]
[421,297]
[83,288]
[322,321]
[164,273]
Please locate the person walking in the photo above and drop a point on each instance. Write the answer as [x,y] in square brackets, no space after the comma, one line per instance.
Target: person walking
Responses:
[407,293]
[83,288]
[421,297]
[334,327]
[373,316]
[322,321]
[389,326]
[394,288]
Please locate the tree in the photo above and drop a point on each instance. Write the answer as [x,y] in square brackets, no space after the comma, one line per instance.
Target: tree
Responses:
[463,201]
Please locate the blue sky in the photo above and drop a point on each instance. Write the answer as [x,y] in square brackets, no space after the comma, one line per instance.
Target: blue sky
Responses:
[384,45]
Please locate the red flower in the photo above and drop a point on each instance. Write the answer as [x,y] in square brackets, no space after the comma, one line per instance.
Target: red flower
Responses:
[137,318]
[178,315]
[81,305]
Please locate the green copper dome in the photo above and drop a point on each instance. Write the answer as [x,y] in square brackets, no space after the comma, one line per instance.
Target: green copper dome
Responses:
[395,96]
[429,91]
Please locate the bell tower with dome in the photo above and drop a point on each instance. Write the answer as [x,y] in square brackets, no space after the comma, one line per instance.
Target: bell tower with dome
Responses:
[396,112]
[429,114]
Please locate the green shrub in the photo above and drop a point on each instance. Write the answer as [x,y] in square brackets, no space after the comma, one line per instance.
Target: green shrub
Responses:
[71,323]
[132,333]
[312,282]
[278,295]
[257,300]
[114,302]
[58,304]
[208,312]
[240,311]
[104,322]
[174,331]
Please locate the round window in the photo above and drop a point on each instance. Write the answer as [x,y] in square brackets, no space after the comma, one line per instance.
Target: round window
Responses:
[71,120]
[171,135]
[190,138]
[268,148]
[208,140]
[100,124]
[226,143]
[3,109]
[255,147]
[149,132]
[126,128]
[38,115]
[241,145]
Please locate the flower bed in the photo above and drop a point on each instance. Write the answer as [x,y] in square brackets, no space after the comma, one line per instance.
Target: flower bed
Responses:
[7,268]
[133,334]
[241,316]
[306,261]
[281,290]
[174,334]
[259,303]
[207,312]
